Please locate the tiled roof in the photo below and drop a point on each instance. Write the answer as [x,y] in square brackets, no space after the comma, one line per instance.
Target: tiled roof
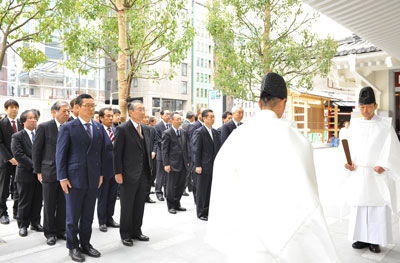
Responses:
[355,45]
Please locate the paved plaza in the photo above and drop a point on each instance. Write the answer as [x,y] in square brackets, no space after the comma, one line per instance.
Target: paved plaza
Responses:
[179,238]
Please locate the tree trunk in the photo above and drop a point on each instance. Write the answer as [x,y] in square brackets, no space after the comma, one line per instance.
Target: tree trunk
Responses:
[265,39]
[3,50]
[123,87]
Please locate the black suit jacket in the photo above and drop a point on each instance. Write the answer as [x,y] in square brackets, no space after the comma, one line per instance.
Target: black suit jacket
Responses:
[21,147]
[6,131]
[152,138]
[44,151]
[175,150]
[205,149]
[159,127]
[108,172]
[128,151]
[227,129]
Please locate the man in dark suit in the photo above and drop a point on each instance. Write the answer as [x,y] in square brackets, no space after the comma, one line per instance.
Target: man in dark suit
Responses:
[108,191]
[160,127]
[80,162]
[233,124]
[44,165]
[74,110]
[226,117]
[8,126]
[175,155]
[28,186]
[206,146]
[190,118]
[146,121]
[117,117]
[132,167]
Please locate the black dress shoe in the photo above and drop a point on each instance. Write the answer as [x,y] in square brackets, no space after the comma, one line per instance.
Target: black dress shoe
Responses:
[172,211]
[374,248]
[185,193]
[141,237]
[204,218]
[127,242]
[62,236]
[23,232]
[38,227]
[51,241]
[160,198]
[103,228]
[4,220]
[76,255]
[112,223]
[150,201]
[360,245]
[181,209]
[90,251]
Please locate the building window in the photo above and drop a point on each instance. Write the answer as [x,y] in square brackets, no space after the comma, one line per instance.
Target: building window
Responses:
[197,92]
[198,77]
[109,67]
[198,62]
[135,82]
[202,63]
[209,78]
[156,102]
[209,49]
[116,85]
[184,69]
[184,87]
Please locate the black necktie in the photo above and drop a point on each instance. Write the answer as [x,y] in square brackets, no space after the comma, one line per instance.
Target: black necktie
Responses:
[88,129]
[178,133]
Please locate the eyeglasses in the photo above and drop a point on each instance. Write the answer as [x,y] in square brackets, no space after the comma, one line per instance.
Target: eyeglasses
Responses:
[89,105]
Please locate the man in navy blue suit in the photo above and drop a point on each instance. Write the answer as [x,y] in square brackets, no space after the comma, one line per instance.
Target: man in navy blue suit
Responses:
[80,162]
[108,191]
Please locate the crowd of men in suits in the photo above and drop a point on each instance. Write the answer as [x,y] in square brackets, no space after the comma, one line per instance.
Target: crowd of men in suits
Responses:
[81,155]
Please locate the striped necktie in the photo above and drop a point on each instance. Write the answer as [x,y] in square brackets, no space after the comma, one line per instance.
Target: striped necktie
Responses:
[110,134]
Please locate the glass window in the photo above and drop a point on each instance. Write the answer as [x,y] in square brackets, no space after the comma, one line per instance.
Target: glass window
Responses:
[197,76]
[184,87]
[198,62]
[197,92]
[135,82]
[202,63]
[156,102]
[179,105]
[184,69]
[53,53]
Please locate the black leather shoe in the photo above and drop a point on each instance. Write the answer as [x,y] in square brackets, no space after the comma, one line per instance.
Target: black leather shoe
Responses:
[150,201]
[51,241]
[172,211]
[90,251]
[76,255]
[360,245]
[62,236]
[374,248]
[160,197]
[103,228]
[112,223]
[23,232]
[181,209]
[185,193]
[38,228]
[141,237]
[204,218]
[4,220]
[127,242]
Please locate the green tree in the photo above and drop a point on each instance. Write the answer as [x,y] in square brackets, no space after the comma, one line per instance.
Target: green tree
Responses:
[253,37]
[28,21]
[134,34]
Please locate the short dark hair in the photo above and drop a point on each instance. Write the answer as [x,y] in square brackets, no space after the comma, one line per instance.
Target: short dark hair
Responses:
[131,105]
[116,111]
[72,103]
[162,112]
[189,115]
[225,114]
[24,115]
[152,119]
[96,112]
[204,114]
[80,98]
[175,113]
[10,102]
[102,110]
[267,99]
[37,113]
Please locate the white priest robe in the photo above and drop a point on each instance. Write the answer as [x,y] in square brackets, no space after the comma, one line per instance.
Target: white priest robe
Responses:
[264,203]
[373,196]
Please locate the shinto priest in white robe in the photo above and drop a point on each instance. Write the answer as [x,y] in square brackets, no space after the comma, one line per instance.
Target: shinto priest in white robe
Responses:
[264,203]
[372,196]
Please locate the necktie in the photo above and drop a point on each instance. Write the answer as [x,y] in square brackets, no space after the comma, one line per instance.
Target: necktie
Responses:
[139,131]
[178,133]
[111,134]
[88,129]
[14,126]
[33,136]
